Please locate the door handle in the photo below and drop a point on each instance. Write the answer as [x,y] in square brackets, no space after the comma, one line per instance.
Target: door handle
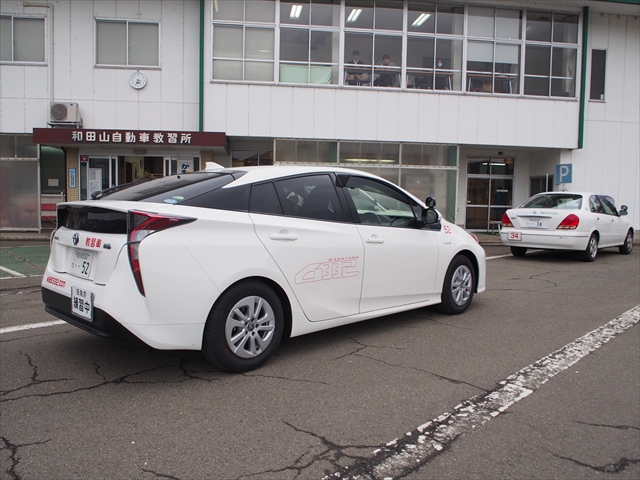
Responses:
[374,239]
[286,236]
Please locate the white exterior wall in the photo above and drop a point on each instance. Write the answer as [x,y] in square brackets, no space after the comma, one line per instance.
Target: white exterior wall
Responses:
[610,159]
[390,116]
[168,102]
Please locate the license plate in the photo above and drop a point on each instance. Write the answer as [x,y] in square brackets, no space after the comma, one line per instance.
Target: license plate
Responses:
[82,303]
[81,261]
[533,223]
[514,236]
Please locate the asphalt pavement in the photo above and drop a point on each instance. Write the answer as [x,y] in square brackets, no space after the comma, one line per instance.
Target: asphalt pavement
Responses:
[77,406]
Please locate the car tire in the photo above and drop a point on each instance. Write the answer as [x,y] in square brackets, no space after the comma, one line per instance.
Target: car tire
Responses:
[518,251]
[628,243]
[244,327]
[589,253]
[459,285]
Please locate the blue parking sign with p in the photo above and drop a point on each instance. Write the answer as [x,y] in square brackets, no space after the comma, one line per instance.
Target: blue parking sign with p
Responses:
[563,173]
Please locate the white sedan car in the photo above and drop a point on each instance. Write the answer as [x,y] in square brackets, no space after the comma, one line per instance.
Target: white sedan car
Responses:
[567,221]
[230,261]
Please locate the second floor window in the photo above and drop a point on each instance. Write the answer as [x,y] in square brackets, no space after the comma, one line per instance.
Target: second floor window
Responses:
[551,52]
[127,43]
[21,39]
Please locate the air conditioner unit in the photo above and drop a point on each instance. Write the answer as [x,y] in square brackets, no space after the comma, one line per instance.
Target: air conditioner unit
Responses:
[64,114]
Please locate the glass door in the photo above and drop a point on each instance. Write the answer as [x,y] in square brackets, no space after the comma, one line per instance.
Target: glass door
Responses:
[489,191]
[99,175]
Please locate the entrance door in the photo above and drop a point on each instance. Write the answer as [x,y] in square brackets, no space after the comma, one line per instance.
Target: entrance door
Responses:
[489,191]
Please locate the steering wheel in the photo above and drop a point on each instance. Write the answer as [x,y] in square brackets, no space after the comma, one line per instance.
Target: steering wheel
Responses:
[370,218]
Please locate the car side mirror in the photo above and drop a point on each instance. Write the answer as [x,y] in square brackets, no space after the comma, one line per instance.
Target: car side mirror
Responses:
[431,219]
[430,202]
[623,210]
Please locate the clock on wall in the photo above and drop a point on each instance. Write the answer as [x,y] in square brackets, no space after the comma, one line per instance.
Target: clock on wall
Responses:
[137,80]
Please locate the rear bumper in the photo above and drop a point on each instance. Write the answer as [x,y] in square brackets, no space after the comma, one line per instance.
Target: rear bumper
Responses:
[554,240]
[103,324]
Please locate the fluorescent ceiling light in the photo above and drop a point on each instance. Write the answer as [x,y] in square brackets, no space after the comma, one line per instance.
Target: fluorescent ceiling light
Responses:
[353,16]
[421,19]
[370,160]
[296,10]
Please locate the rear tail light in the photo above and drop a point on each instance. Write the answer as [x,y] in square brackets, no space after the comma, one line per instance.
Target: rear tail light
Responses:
[506,221]
[569,223]
[141,225]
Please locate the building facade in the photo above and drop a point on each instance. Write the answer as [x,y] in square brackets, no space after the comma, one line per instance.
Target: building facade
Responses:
[476,103]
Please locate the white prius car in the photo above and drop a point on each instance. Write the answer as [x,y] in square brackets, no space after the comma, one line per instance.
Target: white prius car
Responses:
[229,261]
[567,221]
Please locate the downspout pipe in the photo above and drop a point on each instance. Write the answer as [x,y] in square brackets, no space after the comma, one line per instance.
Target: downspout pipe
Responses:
[201,72]
[583,75]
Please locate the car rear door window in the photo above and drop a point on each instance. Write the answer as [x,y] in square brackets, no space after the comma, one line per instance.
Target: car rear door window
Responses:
[264,199]
[310,196]
[230,198]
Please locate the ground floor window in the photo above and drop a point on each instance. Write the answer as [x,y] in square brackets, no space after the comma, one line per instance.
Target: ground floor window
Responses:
[489,191]
[540,184]
[252,158]
[98,173]
[422,169]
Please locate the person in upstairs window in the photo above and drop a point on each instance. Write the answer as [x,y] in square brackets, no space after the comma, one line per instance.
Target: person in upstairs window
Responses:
[356,76]
[386,78]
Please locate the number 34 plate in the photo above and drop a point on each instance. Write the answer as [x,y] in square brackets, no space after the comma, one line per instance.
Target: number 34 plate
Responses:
[514,236]
[82,303]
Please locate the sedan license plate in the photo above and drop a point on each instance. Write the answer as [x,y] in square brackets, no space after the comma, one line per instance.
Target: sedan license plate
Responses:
[82,303]
[514,236]
[81,261]
[532,223]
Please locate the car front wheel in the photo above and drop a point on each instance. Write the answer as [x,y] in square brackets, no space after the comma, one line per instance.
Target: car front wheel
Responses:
[589,254]
[628,243]
[244,328]
[459,285]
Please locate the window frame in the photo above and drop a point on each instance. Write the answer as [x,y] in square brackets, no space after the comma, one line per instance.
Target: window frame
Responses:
[553,47]
[45,35]
[126,22]
[507,74]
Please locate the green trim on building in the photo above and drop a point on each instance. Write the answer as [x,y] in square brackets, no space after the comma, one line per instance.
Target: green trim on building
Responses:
[583,75]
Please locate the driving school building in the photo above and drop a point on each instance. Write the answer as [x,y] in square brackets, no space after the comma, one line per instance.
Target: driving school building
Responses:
[484,102]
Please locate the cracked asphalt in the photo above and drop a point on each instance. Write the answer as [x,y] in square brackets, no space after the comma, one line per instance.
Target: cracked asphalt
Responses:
[75,406]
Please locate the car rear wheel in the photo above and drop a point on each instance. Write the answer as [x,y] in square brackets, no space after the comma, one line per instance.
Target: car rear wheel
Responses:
[244,328]
[628,243]
[518,251]
[459,285]
[589,254]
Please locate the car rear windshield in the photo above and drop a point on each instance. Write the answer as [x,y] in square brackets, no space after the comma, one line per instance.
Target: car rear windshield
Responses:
[173,189]
[569,201]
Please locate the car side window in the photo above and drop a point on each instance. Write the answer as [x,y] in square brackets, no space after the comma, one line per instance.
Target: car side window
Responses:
[608,205]
[595,205]
[310,196]
[264,199]
[232,198]
[379,204]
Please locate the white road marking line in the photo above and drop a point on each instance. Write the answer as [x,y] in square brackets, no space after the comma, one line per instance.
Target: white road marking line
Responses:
[498,256]
[402,455]
[30,326]
[23,276]
[12,272]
